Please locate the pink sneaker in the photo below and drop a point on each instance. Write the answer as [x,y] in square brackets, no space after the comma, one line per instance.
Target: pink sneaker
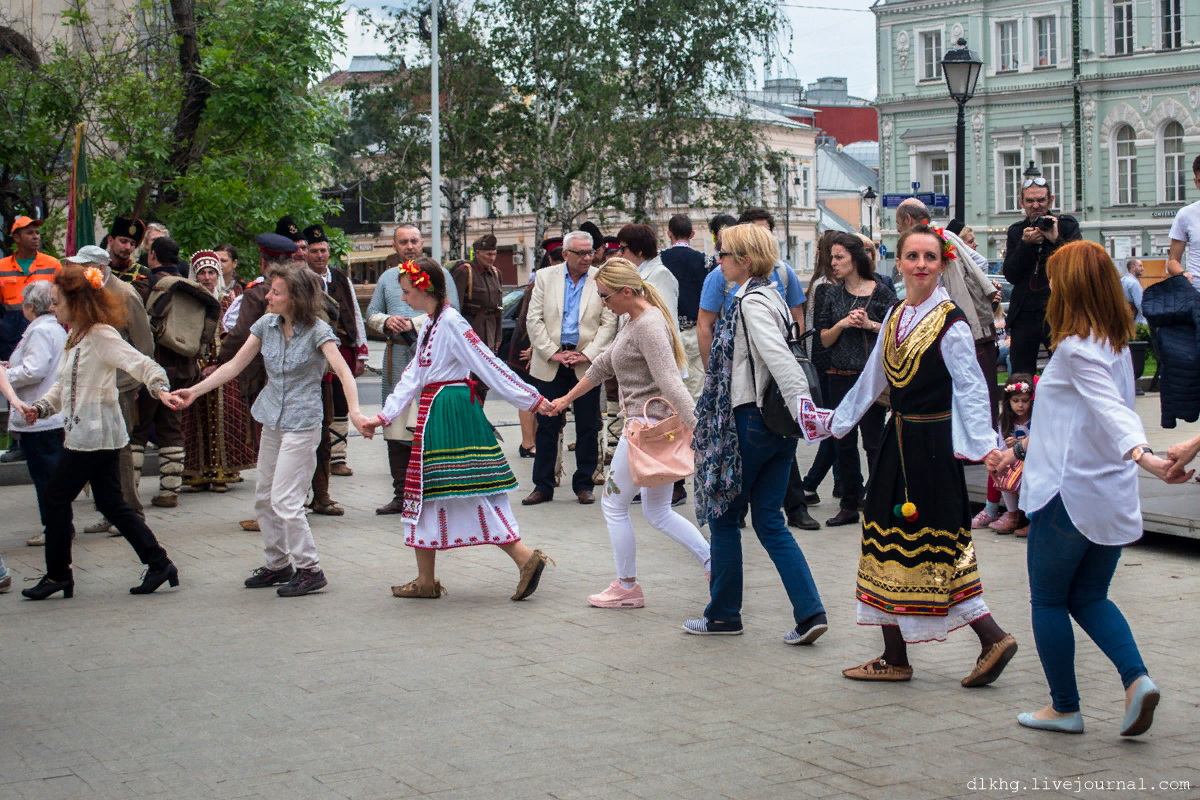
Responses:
[983,519]
[617,596]
[1008,522]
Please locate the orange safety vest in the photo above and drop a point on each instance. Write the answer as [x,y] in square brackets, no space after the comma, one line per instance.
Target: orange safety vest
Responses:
[13,279]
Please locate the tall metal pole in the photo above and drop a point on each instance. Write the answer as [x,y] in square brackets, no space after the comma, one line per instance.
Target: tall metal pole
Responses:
[960,166]
[435,135]
[787,215]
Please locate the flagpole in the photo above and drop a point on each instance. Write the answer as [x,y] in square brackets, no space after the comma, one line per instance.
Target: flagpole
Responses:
[435,156]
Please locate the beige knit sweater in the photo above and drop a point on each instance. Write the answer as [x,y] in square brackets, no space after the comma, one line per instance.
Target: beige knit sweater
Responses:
[643,361]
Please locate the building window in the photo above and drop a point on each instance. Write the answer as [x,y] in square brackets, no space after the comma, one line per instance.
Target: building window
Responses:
[1047,41]
[1050,163]
[805,185]
[1122,27]
[1174,165]
[939,181]
[931,51]
[1172,24]
[1010,181]
[679,187]
[1126,166]
[1009,54]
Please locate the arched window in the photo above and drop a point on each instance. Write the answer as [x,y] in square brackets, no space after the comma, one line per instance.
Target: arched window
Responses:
[1126,166]
[1174,175]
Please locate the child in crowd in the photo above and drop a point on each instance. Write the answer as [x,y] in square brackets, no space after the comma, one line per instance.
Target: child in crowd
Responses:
[1015,414]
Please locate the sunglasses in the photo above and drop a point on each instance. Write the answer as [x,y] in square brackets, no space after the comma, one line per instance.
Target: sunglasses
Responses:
[1033,182]
[604,298]
[723,253]
[581,253]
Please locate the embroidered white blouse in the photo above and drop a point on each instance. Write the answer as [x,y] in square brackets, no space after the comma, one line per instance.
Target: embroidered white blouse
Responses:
[971,421]
[451,353]
[1086,428]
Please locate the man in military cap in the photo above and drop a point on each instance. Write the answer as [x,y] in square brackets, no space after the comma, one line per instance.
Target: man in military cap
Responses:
[288,228]
[481,293]
[123,238]
[352,343]
[274,251]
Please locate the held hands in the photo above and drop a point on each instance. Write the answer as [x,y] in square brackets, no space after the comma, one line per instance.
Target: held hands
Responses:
[172,402]
[395,325]
[998,462]
[365,426]
[28,412]
[182,398]
[553,408]
[1164,469]
[1182,454]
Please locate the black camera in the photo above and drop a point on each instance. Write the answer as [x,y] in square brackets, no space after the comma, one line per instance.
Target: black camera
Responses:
[1043,223]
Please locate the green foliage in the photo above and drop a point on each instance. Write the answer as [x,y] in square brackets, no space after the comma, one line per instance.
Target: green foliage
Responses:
[1141,332]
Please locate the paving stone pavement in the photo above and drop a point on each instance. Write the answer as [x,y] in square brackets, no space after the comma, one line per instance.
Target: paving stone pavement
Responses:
[216,691]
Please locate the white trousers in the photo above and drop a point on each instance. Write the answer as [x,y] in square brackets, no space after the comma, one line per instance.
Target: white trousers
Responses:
[695,367]
[286,461]
[619,492]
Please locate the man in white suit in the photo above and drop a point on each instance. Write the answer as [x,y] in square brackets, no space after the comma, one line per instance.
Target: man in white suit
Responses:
[568,327]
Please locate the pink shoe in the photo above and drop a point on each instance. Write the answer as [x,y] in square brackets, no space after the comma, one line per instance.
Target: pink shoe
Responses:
[617,596]
[1009,522]
[983,519]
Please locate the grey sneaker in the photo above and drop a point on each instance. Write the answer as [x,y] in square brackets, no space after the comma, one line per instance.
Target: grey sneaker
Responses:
[707,627]
[263,577]
[303,582]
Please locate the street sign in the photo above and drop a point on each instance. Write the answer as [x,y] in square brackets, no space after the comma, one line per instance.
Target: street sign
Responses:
[925,197]
[916,185]
[883,251]
[941,201]
[894,200]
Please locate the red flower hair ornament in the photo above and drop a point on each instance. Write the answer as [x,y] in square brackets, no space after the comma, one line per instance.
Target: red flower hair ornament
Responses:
[418,277]
[948,250]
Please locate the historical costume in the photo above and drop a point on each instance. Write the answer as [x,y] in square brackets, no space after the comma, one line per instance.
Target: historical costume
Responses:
[481,292]
[220,438]
[455,492]
[917,569]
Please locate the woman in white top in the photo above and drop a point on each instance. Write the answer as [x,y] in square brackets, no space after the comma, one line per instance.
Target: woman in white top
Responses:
[646,359]
[86,394]
[1080,487]
[456,491]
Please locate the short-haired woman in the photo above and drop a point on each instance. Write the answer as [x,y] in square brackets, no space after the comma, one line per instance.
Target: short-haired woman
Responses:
[86,395]
[32,370]
[645,358]
[218,439]
[296,346]
[847,322]
[456,492]
[1080,487]
[739,461]
[917,576]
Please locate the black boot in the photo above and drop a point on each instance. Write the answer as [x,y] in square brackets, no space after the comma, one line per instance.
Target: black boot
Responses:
[46,587]
[155,576]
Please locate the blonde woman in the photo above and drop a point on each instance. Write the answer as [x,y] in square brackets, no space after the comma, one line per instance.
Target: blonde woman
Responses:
[646,359]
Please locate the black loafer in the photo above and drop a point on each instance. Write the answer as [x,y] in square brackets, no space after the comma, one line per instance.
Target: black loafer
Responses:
[846,516]
[803,520]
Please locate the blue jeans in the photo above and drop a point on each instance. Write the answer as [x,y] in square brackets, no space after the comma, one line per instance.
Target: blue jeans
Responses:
[1069,577]
[766,462]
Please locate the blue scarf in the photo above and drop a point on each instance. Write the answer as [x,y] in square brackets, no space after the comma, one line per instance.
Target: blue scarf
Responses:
[715,440]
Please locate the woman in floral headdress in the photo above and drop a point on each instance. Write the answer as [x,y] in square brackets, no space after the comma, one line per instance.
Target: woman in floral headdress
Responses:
[917,574]
[455,494]
[219,440]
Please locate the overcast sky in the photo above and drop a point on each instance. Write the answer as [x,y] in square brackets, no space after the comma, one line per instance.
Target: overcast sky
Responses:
[824,43]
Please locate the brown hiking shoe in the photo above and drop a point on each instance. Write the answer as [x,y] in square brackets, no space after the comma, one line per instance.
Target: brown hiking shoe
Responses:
[411,589]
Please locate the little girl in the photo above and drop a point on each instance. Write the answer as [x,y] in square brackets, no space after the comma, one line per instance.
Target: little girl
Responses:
[1014,426]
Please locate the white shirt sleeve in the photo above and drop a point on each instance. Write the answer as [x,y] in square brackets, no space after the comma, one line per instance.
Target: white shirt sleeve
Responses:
[360,330]
[470,350]
[37,359]
[229,321]
[870,384]
[412,380]
[1096,386]
[971,417]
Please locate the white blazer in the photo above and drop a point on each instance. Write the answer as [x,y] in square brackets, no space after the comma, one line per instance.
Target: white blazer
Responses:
[1083,430]
[597,325]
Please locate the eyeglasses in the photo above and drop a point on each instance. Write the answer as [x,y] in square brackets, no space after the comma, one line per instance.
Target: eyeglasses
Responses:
[604,297]
[1033,182]
[723,253]
[581,253]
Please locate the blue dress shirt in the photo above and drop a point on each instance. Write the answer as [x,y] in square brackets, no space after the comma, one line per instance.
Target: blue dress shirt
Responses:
[572,298]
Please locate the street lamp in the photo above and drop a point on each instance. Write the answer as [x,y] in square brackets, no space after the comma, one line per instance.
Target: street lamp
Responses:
[869,199]
[961,68]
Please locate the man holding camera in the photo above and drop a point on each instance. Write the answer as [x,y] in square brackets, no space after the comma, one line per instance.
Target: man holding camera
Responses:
[1030,242]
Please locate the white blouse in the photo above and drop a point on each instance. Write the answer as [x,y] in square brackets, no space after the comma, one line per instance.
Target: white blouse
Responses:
[451,353]
[1083,430]
[971,420]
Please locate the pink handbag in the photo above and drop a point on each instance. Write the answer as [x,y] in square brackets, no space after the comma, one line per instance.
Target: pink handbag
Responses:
[659,453]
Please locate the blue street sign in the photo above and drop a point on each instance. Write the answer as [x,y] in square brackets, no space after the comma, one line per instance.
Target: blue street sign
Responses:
[941,201]
[916,185]
[926,198]
[883,251]
[894,200]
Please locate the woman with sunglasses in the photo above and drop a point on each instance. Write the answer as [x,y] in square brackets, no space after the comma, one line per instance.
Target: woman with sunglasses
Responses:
[646,358]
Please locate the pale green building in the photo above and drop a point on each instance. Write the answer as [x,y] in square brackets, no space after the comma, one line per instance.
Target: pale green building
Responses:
[1102,95]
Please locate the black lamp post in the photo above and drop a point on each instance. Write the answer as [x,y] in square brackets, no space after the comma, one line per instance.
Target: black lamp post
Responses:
[869,199]
[961,68]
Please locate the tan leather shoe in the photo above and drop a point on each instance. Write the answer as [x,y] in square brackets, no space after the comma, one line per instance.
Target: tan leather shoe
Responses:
[586,498]
[165,500]
[341,469]
[992,663]
[330,509]
[396,506]
[535,497]
[103,526]
[249,525]
[531,573]
[411,589]
[879,670]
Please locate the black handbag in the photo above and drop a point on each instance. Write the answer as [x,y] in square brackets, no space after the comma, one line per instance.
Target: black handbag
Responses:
[777,415]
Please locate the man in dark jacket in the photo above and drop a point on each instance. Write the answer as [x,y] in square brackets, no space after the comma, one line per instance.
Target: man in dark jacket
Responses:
[1030,242]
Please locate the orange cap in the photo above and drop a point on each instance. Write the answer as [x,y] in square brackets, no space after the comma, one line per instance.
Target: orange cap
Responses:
[24,222]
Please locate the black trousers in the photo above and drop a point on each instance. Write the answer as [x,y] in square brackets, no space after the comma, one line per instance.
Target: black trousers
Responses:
[587,435]
[793,497]
[988,356]
[1028,331]
[42,450]
[155,420]
[871,427]
[341,407]
[101,467]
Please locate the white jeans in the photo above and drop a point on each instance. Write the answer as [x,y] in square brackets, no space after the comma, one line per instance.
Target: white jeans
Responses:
[286,462]
[619,492]
[695,367]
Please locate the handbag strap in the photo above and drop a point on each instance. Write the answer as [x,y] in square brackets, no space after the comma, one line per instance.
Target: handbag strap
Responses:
[665,402]
[791,336]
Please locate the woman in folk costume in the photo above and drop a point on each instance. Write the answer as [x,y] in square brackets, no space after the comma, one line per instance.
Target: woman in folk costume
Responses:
[455,494]
[218,439]
[917,576]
